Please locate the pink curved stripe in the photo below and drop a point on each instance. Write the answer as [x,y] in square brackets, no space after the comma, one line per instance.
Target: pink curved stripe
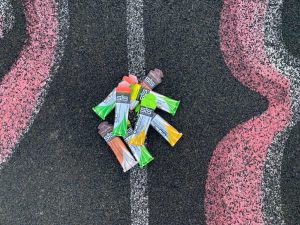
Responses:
[233,186]
[21,88]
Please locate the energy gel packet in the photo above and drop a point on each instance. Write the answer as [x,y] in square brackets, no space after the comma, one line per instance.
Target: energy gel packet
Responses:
[109,103]
[106,106]
[164,103]
[123,92]
[151,81]
[120,150]
[165,129]
[131,79]
[141,153]
[148,106]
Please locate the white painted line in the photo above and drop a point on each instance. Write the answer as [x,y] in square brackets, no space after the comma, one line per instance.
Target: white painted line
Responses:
[290,67]
[139,196]
[135,37]
[6,17]
[136,65]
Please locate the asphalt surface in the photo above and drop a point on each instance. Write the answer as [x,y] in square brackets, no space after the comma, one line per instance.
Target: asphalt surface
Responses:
[62,172]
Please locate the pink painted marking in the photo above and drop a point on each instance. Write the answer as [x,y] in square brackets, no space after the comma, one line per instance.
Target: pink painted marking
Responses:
[233,186]
[21,88]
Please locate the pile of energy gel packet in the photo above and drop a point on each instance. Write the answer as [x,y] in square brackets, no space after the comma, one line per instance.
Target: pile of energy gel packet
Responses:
[130,95]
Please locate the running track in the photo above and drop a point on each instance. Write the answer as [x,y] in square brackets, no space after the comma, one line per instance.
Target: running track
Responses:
[61,172]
